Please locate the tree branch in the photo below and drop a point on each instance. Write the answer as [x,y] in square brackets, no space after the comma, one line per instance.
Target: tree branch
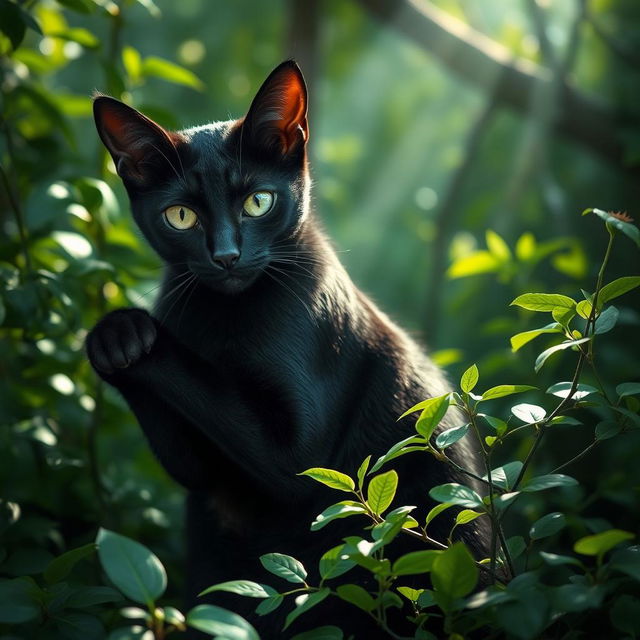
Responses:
[477,59]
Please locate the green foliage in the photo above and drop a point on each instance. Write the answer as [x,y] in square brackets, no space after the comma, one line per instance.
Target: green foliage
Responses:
[73,459]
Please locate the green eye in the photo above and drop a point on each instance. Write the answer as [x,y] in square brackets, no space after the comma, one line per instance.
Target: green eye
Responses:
[259,203]
[180,217]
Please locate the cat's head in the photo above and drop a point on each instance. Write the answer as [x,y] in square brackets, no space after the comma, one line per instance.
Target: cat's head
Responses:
[226,198]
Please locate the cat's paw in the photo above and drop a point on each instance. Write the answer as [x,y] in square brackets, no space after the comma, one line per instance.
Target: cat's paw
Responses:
[120,339]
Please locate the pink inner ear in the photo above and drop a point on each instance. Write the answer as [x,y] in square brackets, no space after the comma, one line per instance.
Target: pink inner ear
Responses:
[293,111]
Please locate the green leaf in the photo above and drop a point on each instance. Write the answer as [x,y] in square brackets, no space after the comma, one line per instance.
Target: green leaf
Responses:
[547,525]
[473,264]
[584,309]
[497,246]
[132,63]
[528,413]
[269,604]
[549,481]
[627,561]
[82,36]
[400,449]
[306,602]
[611,222]
[220,622]
[554,559]
[469,379]
[19,601]
[381,491]
[161,68]
[467,515]
[12,22]
[454,574]
[415,562]
[599,543]
[520,339]
[328,632]
[331,478]
[362,471]
[284,566]
[74,625]
[542,358]
[410,593]
[357,596]
[496,423]
[625,614]
[607,429]
[617,288]
[336,511]
[563,316]
[433,411]
[90,596]
[333,564]
[242,588]
[561,390]
[60,567]
[628,389]
[606,320]
[421,406]
[503,390]
[506,475]
[456,494]
[131,567]
[438,509]
[543,301]
[451,436]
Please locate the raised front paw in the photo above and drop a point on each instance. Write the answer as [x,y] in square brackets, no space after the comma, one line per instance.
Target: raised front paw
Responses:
[120,339]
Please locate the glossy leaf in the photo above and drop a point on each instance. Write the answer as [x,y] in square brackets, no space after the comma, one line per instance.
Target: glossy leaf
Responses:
[549,481]
[599,543]
[284,566]
[432,414]
[456,494]
[331,478]
[306,602]
[451,436]
[381,491]
[543,301]
[547,525]
[60,567]
[357,596]
[220,622]
[562,389]
[528,413]
[337,511]
[242,588]
[454,574]
[415,562]
[520,339]
[469,379]
[542,358]
[503,390]
[131,567]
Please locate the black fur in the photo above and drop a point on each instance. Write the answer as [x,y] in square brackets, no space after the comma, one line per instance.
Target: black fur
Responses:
[241,378]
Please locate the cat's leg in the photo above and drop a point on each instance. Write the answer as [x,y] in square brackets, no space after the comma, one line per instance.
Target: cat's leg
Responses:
[117,342]
[140,358]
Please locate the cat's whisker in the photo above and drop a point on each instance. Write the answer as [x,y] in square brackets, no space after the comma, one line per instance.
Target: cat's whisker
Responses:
[195,281]
[183,286]
[280,282]
[146,293]
[302,302]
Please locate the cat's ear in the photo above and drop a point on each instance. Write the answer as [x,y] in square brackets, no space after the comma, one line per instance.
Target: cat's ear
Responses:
[277,118]
[140,148]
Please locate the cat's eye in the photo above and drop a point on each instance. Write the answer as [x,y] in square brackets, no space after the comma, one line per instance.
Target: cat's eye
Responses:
[180,217]
[258,203]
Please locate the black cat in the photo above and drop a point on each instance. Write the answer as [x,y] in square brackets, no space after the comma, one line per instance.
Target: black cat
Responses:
[261,358]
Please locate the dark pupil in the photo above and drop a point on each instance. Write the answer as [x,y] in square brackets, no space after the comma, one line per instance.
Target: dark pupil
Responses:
[257,199]
[182,215]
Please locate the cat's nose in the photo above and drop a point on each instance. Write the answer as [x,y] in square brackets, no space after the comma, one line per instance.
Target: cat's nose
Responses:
[226,259]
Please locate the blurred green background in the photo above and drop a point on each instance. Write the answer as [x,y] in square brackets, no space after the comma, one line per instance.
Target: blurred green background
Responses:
[450,178]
